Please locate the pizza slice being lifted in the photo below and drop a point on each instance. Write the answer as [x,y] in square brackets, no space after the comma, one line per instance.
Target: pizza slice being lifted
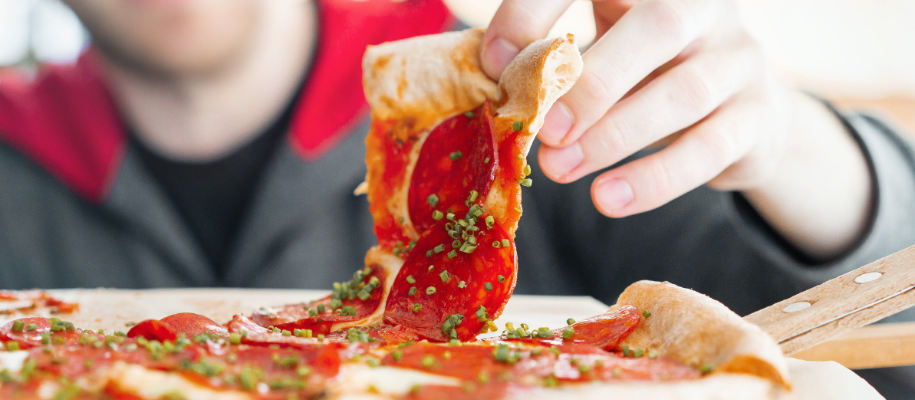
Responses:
[446,156]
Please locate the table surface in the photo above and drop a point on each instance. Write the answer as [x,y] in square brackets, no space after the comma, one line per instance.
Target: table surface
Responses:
[115,310]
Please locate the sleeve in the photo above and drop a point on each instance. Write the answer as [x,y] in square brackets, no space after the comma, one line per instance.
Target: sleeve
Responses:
[891,157]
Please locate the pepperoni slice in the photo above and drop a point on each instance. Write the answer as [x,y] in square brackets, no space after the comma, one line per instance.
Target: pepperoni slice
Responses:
[367,283]
[605,331]
[194,324]
[458,156]
[168,328]
[29,331]
[495,364]
[153,329]
[449,284]
[256,335]
[587,366]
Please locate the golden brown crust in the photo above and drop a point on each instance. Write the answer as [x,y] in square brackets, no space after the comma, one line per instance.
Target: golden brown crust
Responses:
[697,330]
[421,81]
[532,82]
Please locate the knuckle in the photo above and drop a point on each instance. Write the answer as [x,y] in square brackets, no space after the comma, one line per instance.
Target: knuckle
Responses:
[750,48]
[609,139]
[667,19]
[720,146]
[664,180]
[598,90]
[695,91]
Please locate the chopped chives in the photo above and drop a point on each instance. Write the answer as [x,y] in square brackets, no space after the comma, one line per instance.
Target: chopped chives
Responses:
[568,333]
[488,287]
[517,125]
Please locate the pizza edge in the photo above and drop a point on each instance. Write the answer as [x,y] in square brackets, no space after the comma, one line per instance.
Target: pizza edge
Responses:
[695,329]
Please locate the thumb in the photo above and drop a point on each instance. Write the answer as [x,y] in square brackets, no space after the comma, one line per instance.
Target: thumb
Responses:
[516,24]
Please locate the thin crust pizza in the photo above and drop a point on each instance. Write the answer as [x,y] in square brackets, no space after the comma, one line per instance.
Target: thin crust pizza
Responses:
[446,156]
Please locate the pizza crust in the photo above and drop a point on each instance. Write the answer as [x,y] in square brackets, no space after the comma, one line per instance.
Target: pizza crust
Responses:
[421,81]
[695,329]
[534,80]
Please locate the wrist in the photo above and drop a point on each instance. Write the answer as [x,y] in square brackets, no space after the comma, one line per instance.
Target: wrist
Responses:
[818,194]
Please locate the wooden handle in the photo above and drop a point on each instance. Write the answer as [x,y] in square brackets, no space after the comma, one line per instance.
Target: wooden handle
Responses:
[862,296]
[875,346]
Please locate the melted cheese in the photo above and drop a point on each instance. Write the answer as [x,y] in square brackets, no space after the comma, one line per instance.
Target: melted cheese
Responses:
[151,384]
[12,360]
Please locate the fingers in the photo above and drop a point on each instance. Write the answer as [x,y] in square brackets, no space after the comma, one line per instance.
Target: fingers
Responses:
[698,156]
[516,24]
[674,101]
[650,34]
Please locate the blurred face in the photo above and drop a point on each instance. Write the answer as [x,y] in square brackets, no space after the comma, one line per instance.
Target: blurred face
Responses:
[169,36]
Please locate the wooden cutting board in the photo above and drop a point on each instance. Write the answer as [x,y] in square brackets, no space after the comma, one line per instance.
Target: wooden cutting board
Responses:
[115,310]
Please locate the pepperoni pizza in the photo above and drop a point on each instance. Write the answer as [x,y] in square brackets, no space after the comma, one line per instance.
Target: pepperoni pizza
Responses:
[446,156]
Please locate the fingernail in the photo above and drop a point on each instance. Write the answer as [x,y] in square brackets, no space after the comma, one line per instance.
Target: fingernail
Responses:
[499,52]
[613,195]
[561,161]
[556,124]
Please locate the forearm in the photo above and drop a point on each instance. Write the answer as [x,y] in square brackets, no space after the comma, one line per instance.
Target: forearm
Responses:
[820,195]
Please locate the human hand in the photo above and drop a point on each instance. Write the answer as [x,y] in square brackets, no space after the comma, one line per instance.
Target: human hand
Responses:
[681,71]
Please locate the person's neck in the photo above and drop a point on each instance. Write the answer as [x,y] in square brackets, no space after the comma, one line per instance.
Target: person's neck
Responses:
[198,118]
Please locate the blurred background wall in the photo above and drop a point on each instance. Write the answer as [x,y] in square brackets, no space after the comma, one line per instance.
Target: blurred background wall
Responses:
[858,53]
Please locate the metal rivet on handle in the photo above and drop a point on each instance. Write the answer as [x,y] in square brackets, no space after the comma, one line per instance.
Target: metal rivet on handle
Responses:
[795,307]
[868,277]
